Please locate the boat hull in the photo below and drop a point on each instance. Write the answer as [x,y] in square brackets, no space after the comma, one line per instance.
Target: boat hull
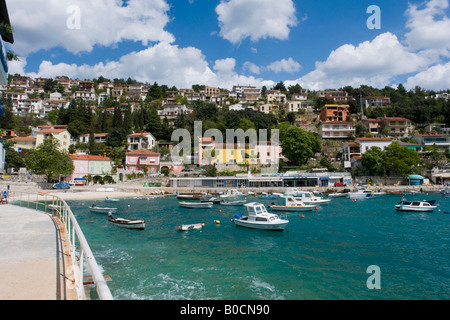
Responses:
[128,224]
[232,203]
[103,210]
[261,226]
[292,208]
[195,205]
[188,227]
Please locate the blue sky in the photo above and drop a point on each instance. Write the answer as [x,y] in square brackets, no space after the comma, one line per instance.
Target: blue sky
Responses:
[318,44]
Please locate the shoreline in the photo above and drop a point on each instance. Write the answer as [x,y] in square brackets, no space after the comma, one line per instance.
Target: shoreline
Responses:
[119,191]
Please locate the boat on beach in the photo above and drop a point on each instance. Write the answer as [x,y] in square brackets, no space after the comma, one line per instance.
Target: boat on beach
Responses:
[259,218]
[127,223]
[292,205]
[187,227]
[415,206]
[196,205]
[108,199]
[95,208]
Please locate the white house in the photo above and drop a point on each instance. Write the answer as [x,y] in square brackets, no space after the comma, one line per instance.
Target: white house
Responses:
[141,140]
[358,147]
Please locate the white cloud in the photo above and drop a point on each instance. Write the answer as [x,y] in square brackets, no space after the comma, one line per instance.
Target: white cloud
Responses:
[255,19]
[428,32]
[284,65]
[372,63]
[253,68]
[43,24]
[434,78]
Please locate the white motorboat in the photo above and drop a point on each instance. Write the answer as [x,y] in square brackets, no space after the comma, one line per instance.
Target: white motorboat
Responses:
[144,197]
[292,205]
[258,218]
[365,194]
[308,198]
[196,205]
[94,208]
[233,203]
[415,206]
[233,193]
[108,199]
[127,223]
[212,199]
[187,227]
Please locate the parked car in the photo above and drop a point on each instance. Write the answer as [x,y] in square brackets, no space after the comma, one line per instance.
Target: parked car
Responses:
[340,184]
[61,185]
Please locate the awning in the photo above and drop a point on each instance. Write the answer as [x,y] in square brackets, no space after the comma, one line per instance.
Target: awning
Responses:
[415,177]
[324,178]
[81,179]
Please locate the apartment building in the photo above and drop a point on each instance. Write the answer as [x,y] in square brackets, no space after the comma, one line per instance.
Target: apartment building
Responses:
[334,112]
[355,149]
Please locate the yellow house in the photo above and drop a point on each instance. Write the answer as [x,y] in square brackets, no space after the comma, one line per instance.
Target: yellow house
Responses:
[61,135]
[229,153]
[24,143]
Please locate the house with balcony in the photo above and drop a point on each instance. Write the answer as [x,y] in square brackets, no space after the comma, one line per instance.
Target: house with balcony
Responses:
[336,130]
[396,127]
[439,141]
[352,151]
[336,95]
[85,95]
[141,140]
[334,112]
[137,160]
[24,143]
[377,102]
[98,138]
[51,105]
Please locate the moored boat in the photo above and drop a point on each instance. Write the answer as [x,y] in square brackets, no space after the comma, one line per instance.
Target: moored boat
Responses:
[233,193]
[213,200]
[293,205]
[127,223]
[365,194]
[196,205]
[187,227]
[233,203]
[95,208]
[189,196]
[415,206]
[258,218]
[266,195]
[308,198]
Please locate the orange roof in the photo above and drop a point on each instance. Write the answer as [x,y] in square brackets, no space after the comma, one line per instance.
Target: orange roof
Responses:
[139,134]
[88,157]
[23,138]
[52,130]
[142,152]
[373,139]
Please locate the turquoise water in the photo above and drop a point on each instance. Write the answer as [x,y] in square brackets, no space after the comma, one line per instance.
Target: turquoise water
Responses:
[322,255]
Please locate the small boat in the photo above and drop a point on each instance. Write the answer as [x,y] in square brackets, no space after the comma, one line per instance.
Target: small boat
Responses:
[415,206]
[233,193]
[187,227]
[94,208]
[189,196]
[108,199]
[213,200]
[365,194]
[259,218]
[445,191]
[144,197]
[265,195]
[308,198]
[127,223]
[292,205]
[233,203]
[196,205]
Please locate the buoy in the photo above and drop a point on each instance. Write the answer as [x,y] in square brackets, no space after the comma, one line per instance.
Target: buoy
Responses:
[217,221]
[302,216]
[220,210]
[317,209]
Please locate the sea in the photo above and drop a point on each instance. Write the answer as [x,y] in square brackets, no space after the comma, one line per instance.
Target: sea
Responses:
[347,250]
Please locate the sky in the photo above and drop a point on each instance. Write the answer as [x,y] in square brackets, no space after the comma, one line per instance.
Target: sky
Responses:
[323,44]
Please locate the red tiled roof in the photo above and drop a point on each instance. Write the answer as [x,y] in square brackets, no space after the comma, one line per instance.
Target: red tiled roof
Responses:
[52,130]
[142,152]
[88,157]
[139,134]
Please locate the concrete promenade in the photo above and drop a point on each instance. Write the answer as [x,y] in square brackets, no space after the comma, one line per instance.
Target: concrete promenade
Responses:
[28,255]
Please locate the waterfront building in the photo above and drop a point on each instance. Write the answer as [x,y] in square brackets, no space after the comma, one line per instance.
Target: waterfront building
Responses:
[137,160]
[89,165]
[61,135]
[355,149]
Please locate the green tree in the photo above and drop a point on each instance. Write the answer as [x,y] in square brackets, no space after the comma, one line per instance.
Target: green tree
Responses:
[299,145]
[372,160]
[399,159]
[47,160]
